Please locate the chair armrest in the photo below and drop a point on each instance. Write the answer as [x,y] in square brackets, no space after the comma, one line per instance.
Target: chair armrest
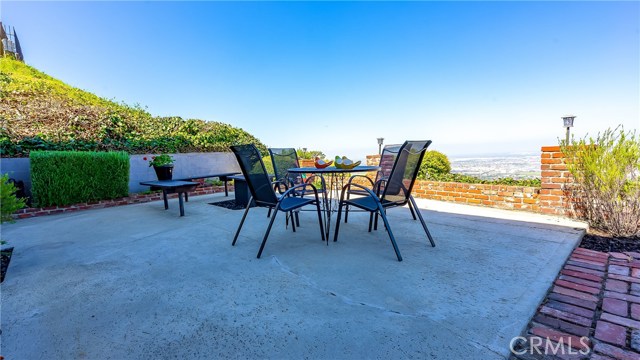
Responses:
[276,186]
[363,176]
[376,187]
[292,189]
[348,186]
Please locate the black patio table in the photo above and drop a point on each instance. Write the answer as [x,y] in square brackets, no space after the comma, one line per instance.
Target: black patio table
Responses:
[336,182]
[173,186]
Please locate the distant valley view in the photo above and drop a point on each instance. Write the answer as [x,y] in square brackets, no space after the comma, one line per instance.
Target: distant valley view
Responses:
[516,166]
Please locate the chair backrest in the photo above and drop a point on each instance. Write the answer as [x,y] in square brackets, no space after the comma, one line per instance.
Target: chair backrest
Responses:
[405,170]
[387,159]
[284,159]
[255,174]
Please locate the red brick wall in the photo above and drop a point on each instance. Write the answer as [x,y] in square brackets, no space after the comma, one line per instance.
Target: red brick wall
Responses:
[550,198]
[554,197]
[498,196]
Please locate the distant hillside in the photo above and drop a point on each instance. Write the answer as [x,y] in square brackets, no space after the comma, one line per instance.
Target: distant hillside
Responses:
[38,112]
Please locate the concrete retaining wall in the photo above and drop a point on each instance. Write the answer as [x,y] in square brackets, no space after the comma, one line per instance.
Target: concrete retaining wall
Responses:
[189,164]
[18,169]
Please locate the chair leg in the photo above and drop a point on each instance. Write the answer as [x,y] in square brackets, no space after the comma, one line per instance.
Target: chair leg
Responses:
[297,218]
[413,213]
[383,215]
[293,222]
[433,244]
[268,213]
[346,209]
[321,224]
[244,216]
[375,224]
[335,234]
[371,220]
[266,235]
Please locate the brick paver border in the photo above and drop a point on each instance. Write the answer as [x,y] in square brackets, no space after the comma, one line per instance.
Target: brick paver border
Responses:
[591,312]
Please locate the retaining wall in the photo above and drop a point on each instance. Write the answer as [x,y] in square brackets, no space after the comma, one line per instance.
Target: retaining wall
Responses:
[552,197]
[188,164]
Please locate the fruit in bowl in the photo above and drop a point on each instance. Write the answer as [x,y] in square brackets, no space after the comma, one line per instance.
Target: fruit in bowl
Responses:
[321,164]
[345,163]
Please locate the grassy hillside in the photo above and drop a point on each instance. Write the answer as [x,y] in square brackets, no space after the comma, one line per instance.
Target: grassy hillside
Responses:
[43,113]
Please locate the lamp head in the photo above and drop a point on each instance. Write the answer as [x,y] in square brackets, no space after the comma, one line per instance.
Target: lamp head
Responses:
[568,120]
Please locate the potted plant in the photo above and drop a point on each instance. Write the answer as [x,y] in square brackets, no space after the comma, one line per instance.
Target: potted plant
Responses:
[9,204]
[163,165]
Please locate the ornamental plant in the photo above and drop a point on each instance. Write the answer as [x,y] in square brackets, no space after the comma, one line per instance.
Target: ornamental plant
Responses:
[160,160]
[309,154]
[606,171]
[9,203]
[434,163]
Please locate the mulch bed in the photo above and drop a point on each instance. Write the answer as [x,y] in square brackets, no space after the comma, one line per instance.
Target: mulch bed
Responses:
[228,204]
[5,258]
[594,240]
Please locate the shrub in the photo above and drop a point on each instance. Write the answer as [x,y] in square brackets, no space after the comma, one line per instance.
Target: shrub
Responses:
[268,164]
[310,154]
[69,177]
[9,203]
[468,179]
[606,191]
[434,163]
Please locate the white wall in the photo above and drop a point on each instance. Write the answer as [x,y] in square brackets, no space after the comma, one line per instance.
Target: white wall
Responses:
[189,164]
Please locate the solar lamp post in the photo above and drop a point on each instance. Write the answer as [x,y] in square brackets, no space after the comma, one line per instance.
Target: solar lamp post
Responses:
[568,123]
[380,140]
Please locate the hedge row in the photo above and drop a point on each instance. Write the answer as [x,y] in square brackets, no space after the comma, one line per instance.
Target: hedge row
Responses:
[70,177]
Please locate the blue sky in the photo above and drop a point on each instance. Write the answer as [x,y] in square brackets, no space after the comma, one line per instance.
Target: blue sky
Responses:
[474,77]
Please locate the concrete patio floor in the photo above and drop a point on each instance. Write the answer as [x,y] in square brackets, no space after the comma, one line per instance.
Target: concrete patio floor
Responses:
[139,282]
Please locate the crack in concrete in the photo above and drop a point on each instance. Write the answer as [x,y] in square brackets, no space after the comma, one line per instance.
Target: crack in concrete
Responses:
[347,300]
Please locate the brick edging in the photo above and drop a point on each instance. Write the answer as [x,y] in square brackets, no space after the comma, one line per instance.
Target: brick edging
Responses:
[128,200]
[596,296]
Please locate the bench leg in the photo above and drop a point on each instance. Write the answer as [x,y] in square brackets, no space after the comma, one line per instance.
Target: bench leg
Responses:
[181,203]
[164,197]
[226,189]
[186,196]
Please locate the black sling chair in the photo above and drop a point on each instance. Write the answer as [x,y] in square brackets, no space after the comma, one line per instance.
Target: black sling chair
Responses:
[396,191]
[262,191]
[387,159]
[284,159]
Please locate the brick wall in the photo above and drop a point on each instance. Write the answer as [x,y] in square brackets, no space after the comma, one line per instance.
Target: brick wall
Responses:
[498,196]
[550,198]
[554,196]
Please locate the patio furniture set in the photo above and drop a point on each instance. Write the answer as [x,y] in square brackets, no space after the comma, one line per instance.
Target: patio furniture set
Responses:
[338,188]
